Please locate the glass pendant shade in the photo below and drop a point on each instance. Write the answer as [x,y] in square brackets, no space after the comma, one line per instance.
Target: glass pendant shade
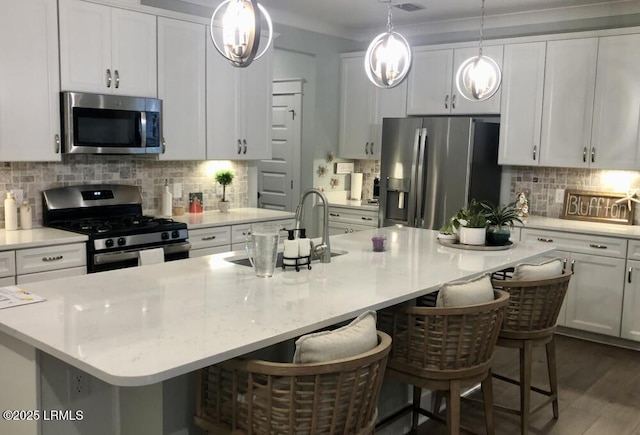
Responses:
[478,78]
[388,59]
[241,31]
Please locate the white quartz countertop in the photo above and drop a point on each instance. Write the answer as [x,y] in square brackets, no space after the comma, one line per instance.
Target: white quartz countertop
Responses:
[574,226]
[234,216]
[36,237]
[143,325]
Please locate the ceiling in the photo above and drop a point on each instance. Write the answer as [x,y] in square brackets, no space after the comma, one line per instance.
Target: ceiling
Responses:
[358,19]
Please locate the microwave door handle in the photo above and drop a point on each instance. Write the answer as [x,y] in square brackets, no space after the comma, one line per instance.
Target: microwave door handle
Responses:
[143,129]
[419,177]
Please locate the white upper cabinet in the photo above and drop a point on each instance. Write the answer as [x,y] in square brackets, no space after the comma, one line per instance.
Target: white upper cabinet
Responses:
[522,92]
[181,86]
[29,81]
[362,108]
[107,50]
[432,83]
[615,138]
[568,102]
[238,107]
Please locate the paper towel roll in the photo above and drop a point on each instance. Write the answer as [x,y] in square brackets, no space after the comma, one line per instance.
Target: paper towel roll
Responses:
[356,185]
[150,256]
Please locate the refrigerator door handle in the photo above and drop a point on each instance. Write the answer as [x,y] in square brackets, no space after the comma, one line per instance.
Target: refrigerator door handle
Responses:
[421,141]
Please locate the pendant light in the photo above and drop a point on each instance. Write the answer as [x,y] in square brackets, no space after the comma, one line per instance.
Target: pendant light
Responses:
[241,31]
[388,57]
[479,77]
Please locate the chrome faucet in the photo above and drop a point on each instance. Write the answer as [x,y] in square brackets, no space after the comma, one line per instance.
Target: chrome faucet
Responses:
[323,250]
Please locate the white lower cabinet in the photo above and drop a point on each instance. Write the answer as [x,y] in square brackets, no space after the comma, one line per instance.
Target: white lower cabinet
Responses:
[52,274]
[207,241]
[48,258]
[631,309]
[343,220]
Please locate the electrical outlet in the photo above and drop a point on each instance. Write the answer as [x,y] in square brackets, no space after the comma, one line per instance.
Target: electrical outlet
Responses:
[177,190]
[78,384]
[559,195]
[18,194]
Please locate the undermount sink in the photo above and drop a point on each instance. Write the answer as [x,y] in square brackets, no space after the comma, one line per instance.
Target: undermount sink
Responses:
[244,261]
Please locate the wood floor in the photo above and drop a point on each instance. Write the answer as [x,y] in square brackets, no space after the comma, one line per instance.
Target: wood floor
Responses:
[599,392]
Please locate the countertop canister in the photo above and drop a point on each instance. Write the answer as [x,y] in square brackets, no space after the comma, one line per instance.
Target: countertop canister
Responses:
[10,212]
[26,216]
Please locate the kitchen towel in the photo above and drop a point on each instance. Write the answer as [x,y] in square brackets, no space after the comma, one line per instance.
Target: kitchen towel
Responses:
[356,185]
[150,256]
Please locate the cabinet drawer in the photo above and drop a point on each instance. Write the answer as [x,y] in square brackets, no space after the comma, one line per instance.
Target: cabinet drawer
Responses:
[582,243]
[7,263]
[52,274]
[210,237]
[239,233]
[9,280]
[633,252]
[194,253]
[50,258]
[368,218]
[342,228]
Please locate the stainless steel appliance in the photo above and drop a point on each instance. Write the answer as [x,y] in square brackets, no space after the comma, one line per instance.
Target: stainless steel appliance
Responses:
[431,167]
[111,124]
[111,215]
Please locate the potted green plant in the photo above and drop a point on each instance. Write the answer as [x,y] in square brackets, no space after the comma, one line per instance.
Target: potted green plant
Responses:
[224,177]
[448,232]
[471,223]
[501,219]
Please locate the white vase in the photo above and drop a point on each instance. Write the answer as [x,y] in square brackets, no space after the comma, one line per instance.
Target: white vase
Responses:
[472,236]
[223,206]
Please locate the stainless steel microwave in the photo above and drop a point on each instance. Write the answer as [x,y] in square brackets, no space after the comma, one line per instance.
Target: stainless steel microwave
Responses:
[111,124]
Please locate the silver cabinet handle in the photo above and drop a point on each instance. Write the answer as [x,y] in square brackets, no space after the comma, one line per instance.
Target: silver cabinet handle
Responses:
[204,239]
[351,230]
[57,142]
[446,102]
[56,258]
[535,149]
[108,78]
[564,264]
[584,154]
[366,148]
[334,214]
[239,146]
[629,275]
[346,230]
[542,239]
[164,146]
[117,79]
[593,155]
[453,101]
[244,148]
[364,218]
[593,245]
[573,263]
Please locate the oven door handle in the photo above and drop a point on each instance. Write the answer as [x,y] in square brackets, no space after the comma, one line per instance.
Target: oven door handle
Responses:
[115,257]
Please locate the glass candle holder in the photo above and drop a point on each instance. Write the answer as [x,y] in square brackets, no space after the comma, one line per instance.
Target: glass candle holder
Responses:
[379,243]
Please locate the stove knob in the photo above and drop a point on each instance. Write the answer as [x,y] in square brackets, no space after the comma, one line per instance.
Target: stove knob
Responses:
[122,241]
[165,236]
[175,234]
[108,243]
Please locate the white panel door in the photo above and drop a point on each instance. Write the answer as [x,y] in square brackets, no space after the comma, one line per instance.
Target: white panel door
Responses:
[459,104]
[134,53]
[570,77]
[357,96]
[182,88]
[615,138]
[631,309]
[29,81]
[430,79]
[521,107]
[85,47]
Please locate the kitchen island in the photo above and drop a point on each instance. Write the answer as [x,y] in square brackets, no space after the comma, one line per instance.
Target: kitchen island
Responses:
[142,327]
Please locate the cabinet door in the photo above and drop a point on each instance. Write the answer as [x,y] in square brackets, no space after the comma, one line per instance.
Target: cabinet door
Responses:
[521,107]
[390,103]
[594,301]
[223,110]
[53,274]
[181,87]
[85,47]
[429,87]
[570,75]
[459,104]
[615,137]
[631,309]
[134,53]
[257,90]
[357,96]
[29,81]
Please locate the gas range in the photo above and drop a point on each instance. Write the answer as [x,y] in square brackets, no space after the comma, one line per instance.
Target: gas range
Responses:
[111,215]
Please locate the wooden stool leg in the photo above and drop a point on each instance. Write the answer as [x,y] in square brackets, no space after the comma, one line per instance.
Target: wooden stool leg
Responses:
[487,398]
[453,408]
[417,395]
[553,376]
[526,355]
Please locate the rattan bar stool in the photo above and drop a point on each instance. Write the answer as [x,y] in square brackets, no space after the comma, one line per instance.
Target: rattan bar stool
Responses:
[444,349]
[530,321]
[266,398]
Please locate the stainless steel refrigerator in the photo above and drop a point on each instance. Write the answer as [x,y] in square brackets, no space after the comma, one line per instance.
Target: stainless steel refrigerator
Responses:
[431,167]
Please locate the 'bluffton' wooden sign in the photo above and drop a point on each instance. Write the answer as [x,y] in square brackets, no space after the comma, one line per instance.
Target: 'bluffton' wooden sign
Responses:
[597,207]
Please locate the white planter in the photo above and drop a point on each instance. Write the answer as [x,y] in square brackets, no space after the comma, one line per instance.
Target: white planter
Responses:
[472,236]
[223,206]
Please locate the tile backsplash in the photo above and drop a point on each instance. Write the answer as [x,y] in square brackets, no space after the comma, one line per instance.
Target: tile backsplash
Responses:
[195,176]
